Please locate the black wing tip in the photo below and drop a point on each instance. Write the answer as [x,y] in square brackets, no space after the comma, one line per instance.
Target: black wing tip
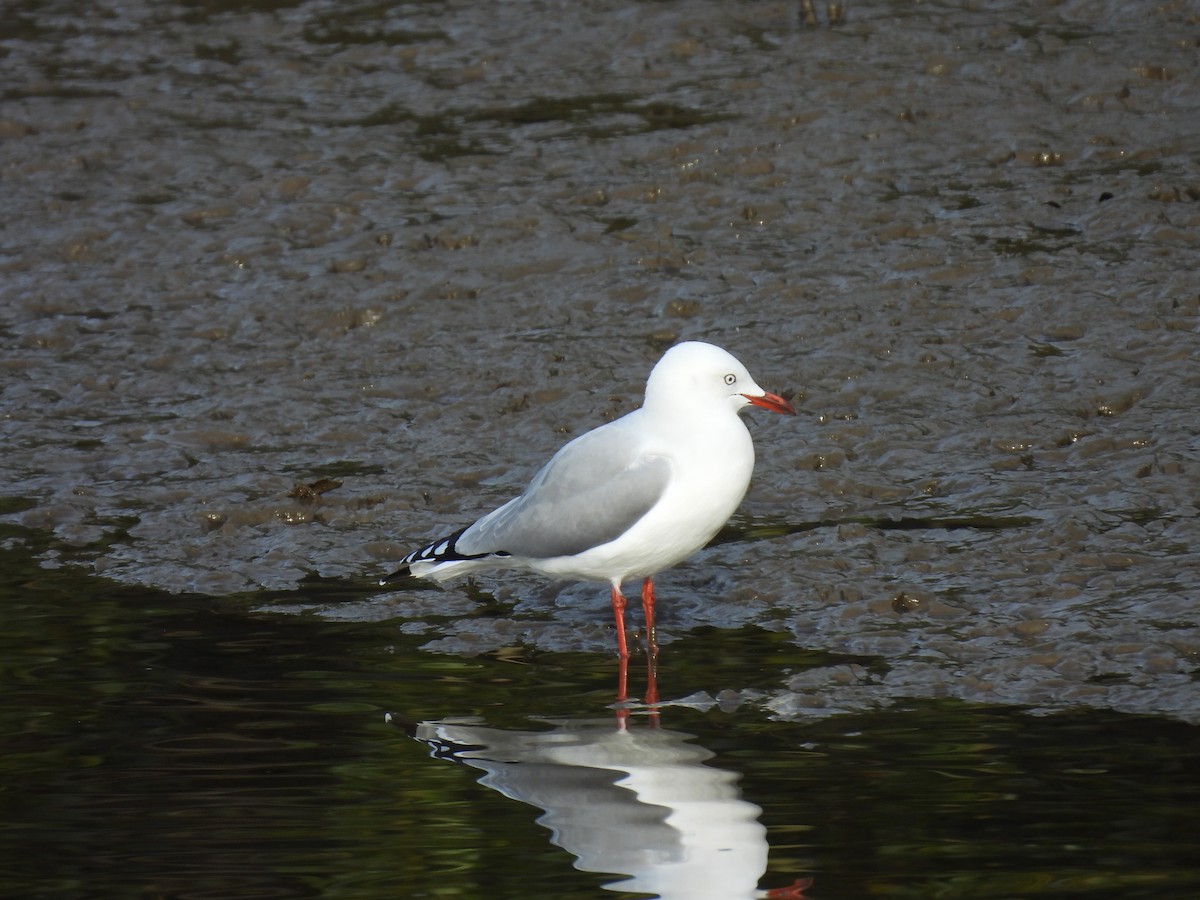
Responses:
[402,574]
[444,550]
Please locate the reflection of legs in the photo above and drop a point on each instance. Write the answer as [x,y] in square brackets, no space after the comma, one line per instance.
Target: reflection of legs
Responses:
[791,892]
[651,642]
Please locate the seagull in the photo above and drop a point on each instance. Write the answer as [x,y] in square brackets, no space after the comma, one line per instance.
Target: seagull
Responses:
[630,498]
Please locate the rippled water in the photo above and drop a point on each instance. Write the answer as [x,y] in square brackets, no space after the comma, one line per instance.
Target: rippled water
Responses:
[398,253]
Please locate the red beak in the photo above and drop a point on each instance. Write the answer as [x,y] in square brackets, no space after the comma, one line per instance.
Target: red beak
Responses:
[773,402]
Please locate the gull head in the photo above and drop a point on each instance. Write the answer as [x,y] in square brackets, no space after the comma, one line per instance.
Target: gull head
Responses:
[696,375]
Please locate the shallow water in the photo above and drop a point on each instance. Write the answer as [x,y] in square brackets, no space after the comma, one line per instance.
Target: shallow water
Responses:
[400,253]
[181,746]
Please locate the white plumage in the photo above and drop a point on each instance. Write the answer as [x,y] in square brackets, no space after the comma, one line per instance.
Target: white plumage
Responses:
[630,498]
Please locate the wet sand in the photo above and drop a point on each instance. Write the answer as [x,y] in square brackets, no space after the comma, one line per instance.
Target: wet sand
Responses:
[412,251]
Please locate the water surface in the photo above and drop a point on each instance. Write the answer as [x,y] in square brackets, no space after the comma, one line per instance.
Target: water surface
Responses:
[288,288]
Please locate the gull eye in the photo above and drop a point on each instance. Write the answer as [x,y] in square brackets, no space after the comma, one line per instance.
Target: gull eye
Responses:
[730,378]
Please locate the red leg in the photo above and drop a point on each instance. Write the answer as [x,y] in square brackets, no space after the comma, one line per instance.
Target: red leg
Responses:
[651,642]
[652,680]
[622,690]
[648,609]
[618,602]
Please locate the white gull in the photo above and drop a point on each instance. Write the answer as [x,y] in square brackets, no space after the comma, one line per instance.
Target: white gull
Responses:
[630,498]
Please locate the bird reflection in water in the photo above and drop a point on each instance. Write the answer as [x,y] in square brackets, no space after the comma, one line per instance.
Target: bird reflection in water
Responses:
[629,798]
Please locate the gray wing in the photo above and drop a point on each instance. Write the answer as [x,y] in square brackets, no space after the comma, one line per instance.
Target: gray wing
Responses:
[592,491]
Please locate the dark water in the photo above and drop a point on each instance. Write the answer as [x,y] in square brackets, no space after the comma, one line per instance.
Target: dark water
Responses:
[401,252]
[182,746]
